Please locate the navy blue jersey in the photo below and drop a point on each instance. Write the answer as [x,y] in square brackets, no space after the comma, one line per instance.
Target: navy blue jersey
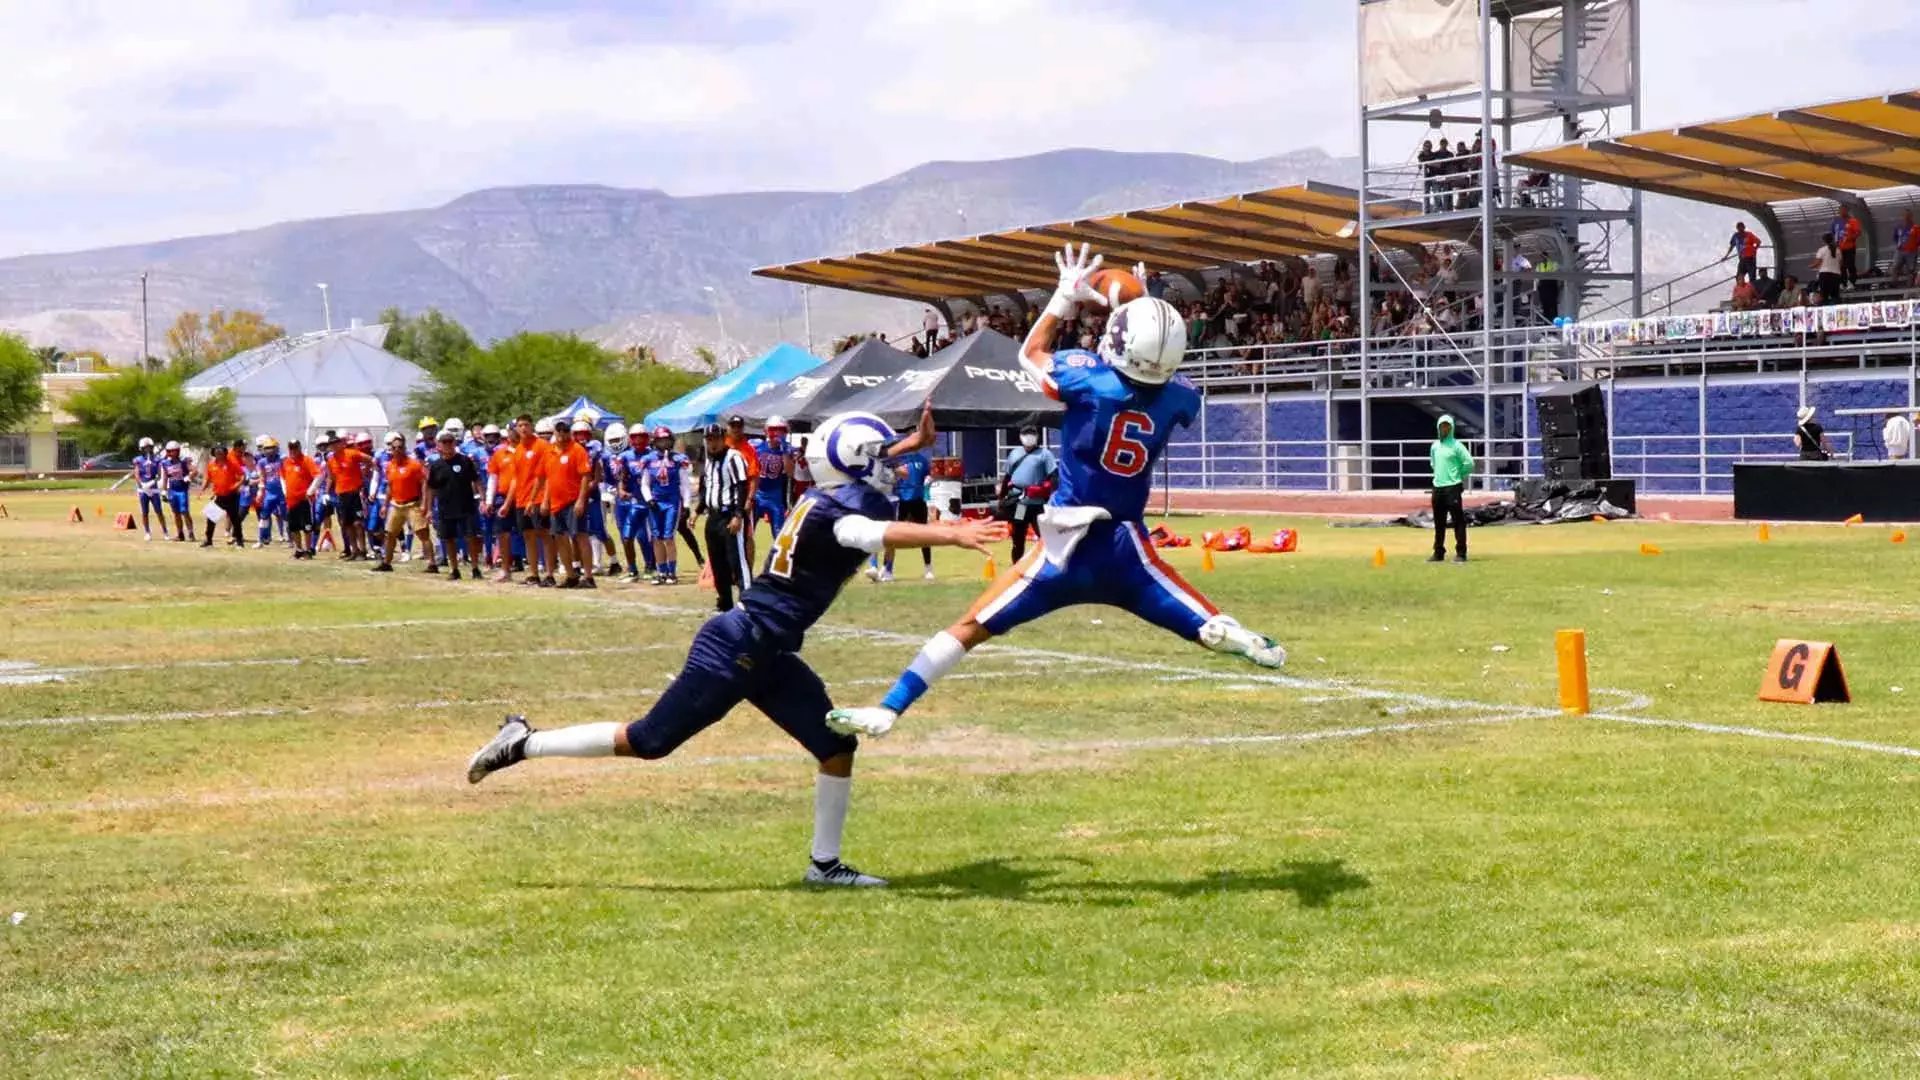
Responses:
[807,564]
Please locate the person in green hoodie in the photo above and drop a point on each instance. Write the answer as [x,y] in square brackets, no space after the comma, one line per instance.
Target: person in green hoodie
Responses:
[1452,464]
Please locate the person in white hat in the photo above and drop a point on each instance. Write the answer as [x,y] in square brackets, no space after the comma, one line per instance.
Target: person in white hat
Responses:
[1810,438]
[146,480]
[1898,437]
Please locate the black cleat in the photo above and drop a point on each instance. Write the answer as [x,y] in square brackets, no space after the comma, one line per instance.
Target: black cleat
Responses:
[507,747]
[836,874]
[1460,558]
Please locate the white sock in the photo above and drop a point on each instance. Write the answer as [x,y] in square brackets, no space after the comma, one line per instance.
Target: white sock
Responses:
[830,796]
[940,655]
[583,740]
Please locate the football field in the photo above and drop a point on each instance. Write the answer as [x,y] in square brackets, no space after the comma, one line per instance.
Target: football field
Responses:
[233,812]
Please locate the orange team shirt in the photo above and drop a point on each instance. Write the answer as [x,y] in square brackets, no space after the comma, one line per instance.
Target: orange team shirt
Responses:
[405,477]
[1850,236]
[225,474]
[530,472]
[1751,247]
[567,470]
[348,467]
[500,464]
[297,475]
[745,446]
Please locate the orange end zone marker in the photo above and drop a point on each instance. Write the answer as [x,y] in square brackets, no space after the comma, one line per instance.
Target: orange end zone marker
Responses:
[1766,534]
[1206,559]
[1803,672]
[1649,549]
[1899,536]
[1379,557]
[1570,650]
[1855,519]
[989,571]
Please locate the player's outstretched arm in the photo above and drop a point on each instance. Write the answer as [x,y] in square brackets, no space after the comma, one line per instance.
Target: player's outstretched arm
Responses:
[972,535]
[1076,267]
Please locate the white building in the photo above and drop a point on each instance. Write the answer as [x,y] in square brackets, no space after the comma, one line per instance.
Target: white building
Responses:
[299,386]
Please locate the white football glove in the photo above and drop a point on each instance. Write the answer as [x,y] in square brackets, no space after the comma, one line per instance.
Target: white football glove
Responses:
[1075,269]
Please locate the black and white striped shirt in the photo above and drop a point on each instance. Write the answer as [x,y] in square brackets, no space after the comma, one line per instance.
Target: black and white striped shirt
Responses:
[723,482]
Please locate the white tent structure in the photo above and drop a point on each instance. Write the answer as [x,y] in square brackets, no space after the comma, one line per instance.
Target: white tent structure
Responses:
[297,387]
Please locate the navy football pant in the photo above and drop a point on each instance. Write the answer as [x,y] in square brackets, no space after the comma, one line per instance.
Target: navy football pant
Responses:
[727,664]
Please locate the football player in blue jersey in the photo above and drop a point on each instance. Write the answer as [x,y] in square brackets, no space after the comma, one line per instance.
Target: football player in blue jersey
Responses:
[1122,406]
[773,457]
[273,491]
[177,470]
[661,469]
[148,479]
[624,476]
[751,653]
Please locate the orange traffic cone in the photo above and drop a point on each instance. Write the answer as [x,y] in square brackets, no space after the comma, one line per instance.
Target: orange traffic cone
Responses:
[1899,536]
[1379,557]
[1855,519]
[1766,534]
[1649,549]
[74,515]
[1206,559]
[989,571]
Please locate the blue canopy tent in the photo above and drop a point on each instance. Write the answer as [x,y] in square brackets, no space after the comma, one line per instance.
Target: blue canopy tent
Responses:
[582,405]
[710,403]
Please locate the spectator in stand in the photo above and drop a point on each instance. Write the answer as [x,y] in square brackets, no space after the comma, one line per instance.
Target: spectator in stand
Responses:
[1746,245]
[1770,289]
[1745,296]
[1848,241]
[1465,176]
[1906,246]
[930,323]
[1442,171]
[1827,268]
[1426,158]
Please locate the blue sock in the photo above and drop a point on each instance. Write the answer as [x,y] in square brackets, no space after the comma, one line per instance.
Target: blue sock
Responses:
[906,690]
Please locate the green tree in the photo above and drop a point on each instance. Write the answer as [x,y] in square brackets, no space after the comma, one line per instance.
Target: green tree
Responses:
[429,339]
[541,373]
[707,359]
[50,357]
[113,413]
[20,394]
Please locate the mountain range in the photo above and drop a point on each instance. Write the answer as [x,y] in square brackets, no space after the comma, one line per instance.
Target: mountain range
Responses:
[638,265]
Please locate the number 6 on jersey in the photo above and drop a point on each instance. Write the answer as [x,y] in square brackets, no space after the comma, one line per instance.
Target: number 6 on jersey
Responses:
[1126,452]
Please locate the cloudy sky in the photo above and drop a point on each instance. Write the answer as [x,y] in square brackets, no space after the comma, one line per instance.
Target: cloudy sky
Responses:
[133,120]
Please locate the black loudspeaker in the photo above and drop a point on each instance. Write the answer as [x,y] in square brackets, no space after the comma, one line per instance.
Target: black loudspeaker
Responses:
[1573,433]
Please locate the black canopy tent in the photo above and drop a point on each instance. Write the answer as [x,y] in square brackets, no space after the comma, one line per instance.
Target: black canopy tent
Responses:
[807,399]
[976,383]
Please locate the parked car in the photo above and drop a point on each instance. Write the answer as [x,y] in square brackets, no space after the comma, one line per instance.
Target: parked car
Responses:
[107,463]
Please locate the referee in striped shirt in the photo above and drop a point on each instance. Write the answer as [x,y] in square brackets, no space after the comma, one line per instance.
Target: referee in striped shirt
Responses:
[723,498]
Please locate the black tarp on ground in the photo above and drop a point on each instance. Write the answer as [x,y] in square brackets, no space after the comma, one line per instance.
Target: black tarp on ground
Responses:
[977,382]
[1534,503]
[805,400]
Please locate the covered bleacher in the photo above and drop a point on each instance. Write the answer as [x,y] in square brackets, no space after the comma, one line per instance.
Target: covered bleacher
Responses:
[1183,238]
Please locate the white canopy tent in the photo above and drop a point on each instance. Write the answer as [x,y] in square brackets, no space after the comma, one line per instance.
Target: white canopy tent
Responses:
[341,380]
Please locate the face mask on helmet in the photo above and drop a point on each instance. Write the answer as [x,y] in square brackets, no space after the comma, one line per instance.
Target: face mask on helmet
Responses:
[1145,340]
[849,449]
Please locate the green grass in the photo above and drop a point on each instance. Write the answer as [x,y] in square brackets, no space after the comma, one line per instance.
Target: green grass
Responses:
[306,887]
[28,484]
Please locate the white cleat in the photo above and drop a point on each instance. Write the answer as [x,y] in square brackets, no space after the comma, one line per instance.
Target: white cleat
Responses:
[839,875]
[1223,635]
[507,747]
[872,722]
[928,576]
[873,573]
[886,576]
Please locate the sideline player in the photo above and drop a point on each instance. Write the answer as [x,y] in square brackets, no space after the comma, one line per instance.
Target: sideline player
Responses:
[273,491]
[148,471]
[773,460]
[624,475]
[751,653]
[298,474]
[661,470]
[1122,406]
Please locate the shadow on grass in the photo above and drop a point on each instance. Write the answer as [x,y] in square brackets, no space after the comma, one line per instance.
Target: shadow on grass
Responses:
[1042,881]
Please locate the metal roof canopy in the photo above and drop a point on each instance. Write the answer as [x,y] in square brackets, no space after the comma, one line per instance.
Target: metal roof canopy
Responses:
[1198,234]
[1831,151]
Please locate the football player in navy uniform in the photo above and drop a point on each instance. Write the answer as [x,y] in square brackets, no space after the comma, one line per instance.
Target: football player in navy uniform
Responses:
[751,653]
[1123,404]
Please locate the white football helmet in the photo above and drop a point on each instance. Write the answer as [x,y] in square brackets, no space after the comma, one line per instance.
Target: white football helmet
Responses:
[848,449]
[1145,340]
[616,434]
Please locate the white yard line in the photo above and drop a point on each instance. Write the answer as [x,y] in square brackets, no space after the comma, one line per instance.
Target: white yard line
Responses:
[454,779]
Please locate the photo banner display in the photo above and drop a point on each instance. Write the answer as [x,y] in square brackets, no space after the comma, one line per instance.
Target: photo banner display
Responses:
[1415,47]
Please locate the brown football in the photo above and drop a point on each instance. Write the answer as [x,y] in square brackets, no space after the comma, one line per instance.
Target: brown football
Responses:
[1105,282]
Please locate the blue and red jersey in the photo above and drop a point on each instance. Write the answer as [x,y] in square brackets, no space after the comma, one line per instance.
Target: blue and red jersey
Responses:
[1113,432]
